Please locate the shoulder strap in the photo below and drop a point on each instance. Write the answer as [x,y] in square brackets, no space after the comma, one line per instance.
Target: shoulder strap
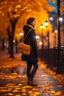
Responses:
[27,34]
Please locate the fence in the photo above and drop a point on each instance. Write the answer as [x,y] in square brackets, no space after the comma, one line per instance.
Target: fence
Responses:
[50,56]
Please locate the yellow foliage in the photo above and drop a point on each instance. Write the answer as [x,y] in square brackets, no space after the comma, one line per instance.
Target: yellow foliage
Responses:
[18,6]
[56,93]
[62,6]
[22,8]
[52,92]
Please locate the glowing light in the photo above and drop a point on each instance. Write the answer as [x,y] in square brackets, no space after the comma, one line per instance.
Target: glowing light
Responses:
[51,18]
[13,41]
[21,34]
[40,43]
[56,31]
[60,19]
[37,37]
[41,26]
[46,23]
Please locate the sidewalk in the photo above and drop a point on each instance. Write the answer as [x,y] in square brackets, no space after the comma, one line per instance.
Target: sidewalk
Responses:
[13,79]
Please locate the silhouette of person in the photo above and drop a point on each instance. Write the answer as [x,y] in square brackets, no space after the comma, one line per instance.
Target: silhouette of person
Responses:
[32,59]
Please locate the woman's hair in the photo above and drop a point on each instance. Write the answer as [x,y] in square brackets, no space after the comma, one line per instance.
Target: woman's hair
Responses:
[30,20]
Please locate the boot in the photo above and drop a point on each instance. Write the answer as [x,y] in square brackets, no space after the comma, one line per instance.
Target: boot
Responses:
[30,82]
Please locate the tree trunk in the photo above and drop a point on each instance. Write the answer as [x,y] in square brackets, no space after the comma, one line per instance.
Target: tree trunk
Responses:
[11,35]
[11,45]
[3,47]
[11,48]
[16,43]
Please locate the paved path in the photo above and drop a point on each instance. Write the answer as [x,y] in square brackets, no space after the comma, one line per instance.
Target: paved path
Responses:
[14,84]
[13,81]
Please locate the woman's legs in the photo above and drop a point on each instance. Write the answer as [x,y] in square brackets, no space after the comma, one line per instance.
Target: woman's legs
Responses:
[35,64]
[30,74]
[29,66]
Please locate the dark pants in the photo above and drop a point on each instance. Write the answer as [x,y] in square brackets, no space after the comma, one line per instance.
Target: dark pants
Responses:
[31,72]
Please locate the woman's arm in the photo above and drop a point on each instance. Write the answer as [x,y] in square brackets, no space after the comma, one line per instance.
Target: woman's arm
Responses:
[33,41]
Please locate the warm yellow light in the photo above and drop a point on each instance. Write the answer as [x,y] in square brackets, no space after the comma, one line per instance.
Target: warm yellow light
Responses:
[40,43]
[13,41]
[46,23]
[41,26]
[37,37]
[56,31]
[21,34]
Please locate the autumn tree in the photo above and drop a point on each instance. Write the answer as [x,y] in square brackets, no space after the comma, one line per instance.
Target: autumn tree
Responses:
[14,11]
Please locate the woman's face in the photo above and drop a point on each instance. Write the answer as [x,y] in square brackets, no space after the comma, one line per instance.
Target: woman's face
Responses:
[34,23]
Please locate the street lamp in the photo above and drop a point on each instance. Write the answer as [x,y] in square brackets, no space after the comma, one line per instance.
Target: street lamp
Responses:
[56,31]
[46,24]
[59,65]
[41,26]
[37,37]
[21,34]
[60,19]
[51,18]
[21,39]
[59,62]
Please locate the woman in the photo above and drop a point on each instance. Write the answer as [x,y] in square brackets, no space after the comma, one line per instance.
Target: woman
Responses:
[31,59]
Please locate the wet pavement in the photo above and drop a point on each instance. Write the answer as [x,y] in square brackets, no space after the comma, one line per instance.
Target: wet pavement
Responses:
[13,82]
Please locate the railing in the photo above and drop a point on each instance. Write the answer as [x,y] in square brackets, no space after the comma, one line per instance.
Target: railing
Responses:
[50,56]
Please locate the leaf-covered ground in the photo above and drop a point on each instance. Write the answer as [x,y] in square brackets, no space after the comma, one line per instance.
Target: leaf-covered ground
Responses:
[59,77]
[13,80]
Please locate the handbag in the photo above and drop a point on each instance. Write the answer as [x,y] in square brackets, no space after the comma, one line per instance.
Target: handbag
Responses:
[24,48]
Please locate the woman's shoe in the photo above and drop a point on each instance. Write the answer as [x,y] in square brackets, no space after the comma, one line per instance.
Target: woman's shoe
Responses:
[30,82]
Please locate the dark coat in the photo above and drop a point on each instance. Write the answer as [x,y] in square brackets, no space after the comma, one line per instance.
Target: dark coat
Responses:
[30,39]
